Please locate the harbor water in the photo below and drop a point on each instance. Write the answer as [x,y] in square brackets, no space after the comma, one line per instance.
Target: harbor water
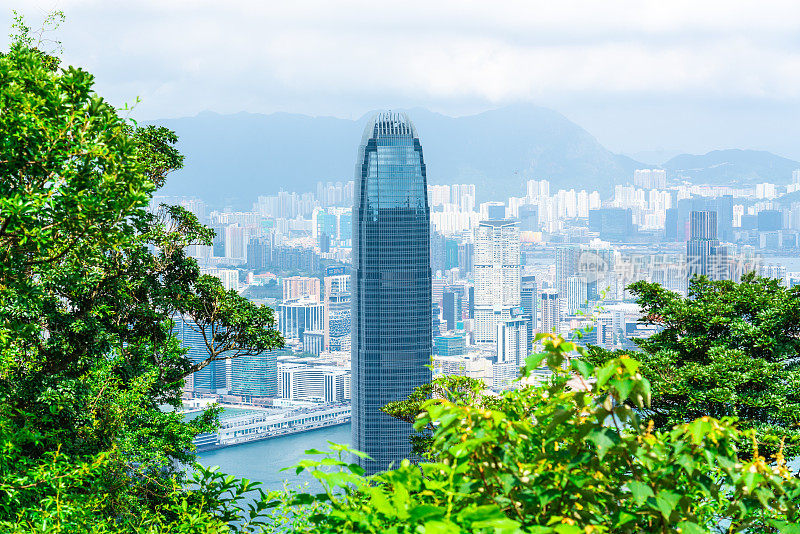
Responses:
[263,460]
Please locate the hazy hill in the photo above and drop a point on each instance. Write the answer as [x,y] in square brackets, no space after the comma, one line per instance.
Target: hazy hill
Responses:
[732,167]
[233,158]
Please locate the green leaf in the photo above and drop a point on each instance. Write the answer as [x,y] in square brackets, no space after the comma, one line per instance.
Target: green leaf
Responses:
[604,439]
[784,527]
[583,367]
[640,491]
[534,361]
[624,386]
[605,373]
[440,527]
[379,501]
[666,502]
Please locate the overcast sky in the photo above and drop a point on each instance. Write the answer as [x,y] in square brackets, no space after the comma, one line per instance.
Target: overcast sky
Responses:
[639,75]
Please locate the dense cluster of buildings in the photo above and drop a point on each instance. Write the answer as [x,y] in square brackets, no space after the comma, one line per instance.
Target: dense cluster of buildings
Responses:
[383,282]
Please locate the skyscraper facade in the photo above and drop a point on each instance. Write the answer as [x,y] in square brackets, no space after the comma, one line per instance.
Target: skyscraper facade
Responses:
[596,264]
[391,285]
[576,294]
[529,300]
[704,256]
[214,376]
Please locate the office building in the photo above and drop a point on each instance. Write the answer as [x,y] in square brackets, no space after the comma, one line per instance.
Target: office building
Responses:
[313,341]
[391,286]
[255,375]
[612,224]
[453,302]
[450,345]
[498,273]
[493,210]
[528,216]
[704,256]
[576,294]
[210,378]
[595,264]
[770,220]
[295,317]
[309,381]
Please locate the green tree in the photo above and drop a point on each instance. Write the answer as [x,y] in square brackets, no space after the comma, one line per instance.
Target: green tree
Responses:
[90,285]
[459,389]
[729,349]
[562,459]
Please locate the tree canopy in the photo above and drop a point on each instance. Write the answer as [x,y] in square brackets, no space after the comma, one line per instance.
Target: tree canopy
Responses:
[90,285]
[727,350]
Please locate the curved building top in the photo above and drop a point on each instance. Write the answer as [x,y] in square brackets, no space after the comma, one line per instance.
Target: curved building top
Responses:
[389,124]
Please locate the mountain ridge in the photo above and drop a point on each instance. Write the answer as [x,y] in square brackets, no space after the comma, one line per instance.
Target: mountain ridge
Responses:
[233,158]
[733,165]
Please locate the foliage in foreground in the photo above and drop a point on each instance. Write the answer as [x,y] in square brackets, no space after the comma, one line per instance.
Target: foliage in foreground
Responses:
[550,459]
[90,283]
[728,350]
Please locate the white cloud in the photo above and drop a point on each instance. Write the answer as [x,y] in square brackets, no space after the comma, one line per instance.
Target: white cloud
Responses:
[344,57]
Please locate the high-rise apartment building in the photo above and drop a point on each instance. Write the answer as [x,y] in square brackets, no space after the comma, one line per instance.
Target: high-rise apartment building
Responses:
[650,178]
[235,242]
[463,196]
[550,306]
[512,340]
[497,273]
[391,286]
[228,277]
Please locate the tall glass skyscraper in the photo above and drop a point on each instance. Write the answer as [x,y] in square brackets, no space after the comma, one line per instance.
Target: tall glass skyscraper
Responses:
[391,285]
